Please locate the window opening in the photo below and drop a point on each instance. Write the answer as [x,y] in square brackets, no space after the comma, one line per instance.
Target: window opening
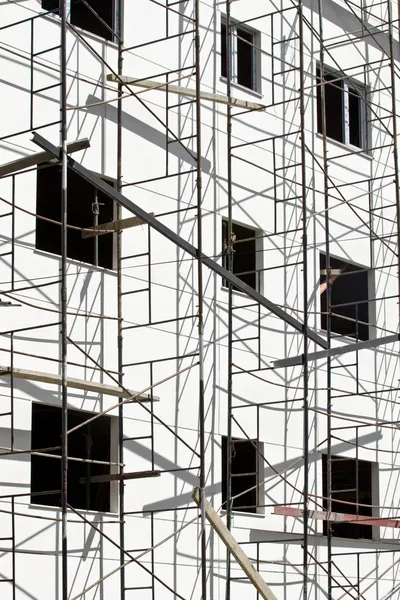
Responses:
[81,213]
[244,55]
[92,441]
[244,253]
[351,482]
[349,298]
[345,110]
[244,474]
[82,16]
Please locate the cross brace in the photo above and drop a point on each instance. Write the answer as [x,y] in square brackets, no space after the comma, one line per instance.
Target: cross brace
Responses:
[102,186]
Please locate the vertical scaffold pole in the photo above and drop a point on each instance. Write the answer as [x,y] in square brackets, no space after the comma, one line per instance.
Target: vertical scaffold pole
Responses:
[201,307]
[64,7]
[305,300]
[322,85]
[229,246]
[119,30]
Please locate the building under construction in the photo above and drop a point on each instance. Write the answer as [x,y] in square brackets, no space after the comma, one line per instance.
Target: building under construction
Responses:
[199,266]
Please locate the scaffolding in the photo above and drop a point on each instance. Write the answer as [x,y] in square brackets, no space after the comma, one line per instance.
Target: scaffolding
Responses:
[272,149]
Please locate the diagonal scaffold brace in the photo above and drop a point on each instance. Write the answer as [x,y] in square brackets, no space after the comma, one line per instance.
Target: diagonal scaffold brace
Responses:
[146,217]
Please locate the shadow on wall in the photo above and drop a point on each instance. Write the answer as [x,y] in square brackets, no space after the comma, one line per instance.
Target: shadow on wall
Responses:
[191,479]
[146,132]
[346,20]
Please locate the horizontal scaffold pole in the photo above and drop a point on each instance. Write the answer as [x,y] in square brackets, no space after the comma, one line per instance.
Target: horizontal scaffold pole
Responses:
[112,193]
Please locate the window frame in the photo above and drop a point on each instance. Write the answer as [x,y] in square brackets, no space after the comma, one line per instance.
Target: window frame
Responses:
[256,55]
[371,305]
[374,492]
[347,84]
[258,256]
[113,183]
[54,12]
[114,450]
[259,509]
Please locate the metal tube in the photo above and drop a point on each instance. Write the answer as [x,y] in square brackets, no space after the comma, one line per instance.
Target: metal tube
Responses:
[120,16]
[305,301]
[200,307]
[64,5]
[328,295]
[229,266]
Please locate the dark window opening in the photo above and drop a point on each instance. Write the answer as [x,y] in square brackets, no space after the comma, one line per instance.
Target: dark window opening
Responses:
[351,482]
[343,109]
[355,118]
[244,57]
[333,107]
[244,474]
[223,50]
[349,298]
[244,253]
[81,196]
[82,16]
[92,441]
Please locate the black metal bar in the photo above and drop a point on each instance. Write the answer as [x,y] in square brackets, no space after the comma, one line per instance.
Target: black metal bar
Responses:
[178,240]
[64,300]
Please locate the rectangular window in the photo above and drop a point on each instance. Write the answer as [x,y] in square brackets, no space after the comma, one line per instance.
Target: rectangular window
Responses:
[351,482]
[244,56]
[81,200]
[90,442]
[96,16]
[349,298]
[243,255]
[244,472]
[345,110]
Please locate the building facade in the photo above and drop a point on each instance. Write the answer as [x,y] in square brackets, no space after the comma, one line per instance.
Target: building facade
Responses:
[200,277]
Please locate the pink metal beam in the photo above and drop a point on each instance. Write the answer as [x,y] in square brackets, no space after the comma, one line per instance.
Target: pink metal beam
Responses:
[321,515]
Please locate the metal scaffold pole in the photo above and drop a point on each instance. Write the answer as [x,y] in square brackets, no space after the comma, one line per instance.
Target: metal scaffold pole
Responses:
[64,9]
[305,302]
[202,415]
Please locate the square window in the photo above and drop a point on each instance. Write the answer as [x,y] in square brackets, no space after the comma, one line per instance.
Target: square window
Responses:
[81,196]
[351,482]
[346,114]
[245,55]
[98,19]
[244,254]
[92,441]
[244,475]
[349,298]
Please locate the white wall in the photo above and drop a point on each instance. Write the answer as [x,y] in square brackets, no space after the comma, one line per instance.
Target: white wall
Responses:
[148,153]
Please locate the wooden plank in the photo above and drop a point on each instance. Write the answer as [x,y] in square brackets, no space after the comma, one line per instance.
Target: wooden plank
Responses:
[241,558]
[40,157]
[78,384]
[119,476]
[187,92]
[112,226]
[322,515]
